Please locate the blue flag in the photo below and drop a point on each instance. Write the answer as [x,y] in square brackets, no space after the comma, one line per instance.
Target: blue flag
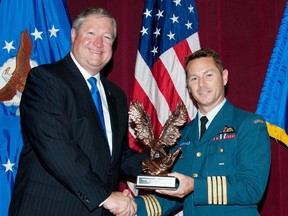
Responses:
[273,102]
[32,32]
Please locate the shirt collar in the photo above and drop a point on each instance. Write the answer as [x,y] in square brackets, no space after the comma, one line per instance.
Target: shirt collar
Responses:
[210,115]
[84,73]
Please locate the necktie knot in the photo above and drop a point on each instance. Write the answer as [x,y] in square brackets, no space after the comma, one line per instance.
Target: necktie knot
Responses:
[203,121]
[93,82]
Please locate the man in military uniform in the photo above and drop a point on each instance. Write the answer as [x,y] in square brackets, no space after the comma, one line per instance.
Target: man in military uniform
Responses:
[225,170]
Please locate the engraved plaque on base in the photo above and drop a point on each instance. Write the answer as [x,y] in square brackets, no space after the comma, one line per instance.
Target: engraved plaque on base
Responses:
[156,182]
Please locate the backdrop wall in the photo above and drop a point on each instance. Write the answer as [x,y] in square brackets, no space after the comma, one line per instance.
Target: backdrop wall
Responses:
[243,33]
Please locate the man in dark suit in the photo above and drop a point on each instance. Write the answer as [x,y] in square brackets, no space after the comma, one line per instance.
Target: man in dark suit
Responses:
[70,163]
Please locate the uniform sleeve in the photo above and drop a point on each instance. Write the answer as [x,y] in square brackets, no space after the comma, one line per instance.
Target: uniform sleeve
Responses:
[247,184]
[154,205]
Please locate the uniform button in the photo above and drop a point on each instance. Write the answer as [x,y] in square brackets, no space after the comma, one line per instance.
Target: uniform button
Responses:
[195,175]
[221,150]
[198,154]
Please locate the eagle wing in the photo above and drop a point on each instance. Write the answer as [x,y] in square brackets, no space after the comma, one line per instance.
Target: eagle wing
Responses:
[142,123]
[170,131]
[18,78]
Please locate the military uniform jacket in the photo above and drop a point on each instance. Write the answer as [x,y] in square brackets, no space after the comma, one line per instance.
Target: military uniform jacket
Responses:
[230,166]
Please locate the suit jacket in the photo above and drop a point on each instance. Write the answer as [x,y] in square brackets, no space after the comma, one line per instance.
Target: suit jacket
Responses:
[65,166]
[230,166]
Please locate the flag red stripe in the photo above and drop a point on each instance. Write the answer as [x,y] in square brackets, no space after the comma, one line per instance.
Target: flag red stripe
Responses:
[182,50]
[165,84]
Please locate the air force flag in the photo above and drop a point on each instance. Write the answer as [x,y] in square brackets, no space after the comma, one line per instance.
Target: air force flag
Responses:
[32,32]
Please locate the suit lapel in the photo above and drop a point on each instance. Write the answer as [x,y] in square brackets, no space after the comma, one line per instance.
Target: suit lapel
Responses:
[78,83]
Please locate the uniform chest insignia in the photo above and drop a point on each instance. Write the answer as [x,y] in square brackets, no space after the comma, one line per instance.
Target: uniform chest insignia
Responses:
[226,133]
[184,143]
[228,130]
[256,121]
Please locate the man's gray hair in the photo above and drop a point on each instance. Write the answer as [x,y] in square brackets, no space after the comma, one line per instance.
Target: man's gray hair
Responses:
[101,12]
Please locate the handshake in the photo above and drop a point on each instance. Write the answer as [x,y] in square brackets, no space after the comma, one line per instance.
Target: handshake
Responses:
[121,203]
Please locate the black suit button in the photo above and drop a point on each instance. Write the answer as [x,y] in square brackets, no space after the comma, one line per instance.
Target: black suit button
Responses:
[80,194]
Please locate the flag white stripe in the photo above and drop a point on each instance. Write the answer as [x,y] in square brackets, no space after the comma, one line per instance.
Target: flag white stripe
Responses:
[149,85]
[193,42]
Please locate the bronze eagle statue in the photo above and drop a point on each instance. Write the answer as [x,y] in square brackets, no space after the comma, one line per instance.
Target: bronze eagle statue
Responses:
[159,161]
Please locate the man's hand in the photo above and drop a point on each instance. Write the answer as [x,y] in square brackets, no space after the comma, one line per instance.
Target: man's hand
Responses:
[186,186]
[121,204]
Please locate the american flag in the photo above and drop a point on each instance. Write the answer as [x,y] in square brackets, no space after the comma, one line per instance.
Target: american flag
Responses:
[169,33]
